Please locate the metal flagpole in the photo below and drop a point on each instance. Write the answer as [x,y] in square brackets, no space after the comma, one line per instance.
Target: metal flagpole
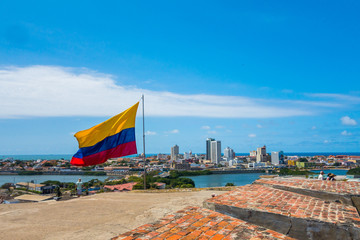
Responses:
[144,156]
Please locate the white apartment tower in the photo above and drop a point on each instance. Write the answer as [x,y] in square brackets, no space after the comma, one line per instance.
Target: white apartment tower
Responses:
[215,152]
[277,158]
[208,148]
[229,154]
[174,152]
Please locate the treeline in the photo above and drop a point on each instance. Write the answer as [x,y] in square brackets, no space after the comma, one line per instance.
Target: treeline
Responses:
[71,185]
[92,173]
[354,171]
[29,173]
[176,174]
[173,181]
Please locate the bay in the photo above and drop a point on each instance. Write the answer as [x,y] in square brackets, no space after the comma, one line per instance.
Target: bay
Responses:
[220,180]
[241,179]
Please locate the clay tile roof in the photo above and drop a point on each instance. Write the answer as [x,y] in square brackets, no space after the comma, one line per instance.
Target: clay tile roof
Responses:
[121,187]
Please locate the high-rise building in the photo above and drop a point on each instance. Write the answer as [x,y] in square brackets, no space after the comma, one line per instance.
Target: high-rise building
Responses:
[229,154]
[261,154]
[215,152]
[174,152]
[252,153]
[281,157]
[208,148]
[277,158]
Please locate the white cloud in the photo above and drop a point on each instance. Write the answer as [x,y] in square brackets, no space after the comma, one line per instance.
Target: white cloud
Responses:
[326,141]
[212,132]
[346,133]
[342,97]
[150,133]
[205,127]
[259,126]
[219,126]
[46,91]
[346,120]
[174,131]
[313,127]
[252,135]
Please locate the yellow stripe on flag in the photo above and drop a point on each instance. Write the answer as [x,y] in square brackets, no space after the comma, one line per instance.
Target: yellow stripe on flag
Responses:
[112,126]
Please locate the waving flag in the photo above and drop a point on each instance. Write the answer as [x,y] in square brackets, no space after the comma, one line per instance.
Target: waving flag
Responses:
[111,139]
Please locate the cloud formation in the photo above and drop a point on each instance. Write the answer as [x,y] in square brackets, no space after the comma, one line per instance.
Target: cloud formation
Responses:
[49,91]
[346,133]
[252,135]
[346,120]
[150,133]
[174,131]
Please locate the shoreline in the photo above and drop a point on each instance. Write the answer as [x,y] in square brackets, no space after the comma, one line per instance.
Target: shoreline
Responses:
[235,171]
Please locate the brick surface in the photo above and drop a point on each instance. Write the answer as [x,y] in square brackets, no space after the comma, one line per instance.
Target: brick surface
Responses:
[338,187]
[328,190]
[267,199]
[200,223]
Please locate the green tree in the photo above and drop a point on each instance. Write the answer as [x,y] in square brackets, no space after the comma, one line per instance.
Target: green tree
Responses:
[51,183]
[6,186]
[354,171]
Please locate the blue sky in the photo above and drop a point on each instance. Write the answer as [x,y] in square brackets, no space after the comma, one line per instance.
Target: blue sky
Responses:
[247,73]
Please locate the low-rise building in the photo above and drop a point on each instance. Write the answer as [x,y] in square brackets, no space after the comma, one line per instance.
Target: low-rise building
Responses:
[291,163]
[305,164]
[30,186]
[181,166]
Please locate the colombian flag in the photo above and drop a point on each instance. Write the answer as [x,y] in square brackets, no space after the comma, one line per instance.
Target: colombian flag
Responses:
[111,139]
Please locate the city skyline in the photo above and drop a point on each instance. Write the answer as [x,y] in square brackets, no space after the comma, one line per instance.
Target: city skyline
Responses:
[250,73]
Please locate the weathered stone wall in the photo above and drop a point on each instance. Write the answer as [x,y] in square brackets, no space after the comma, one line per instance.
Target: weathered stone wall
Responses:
[269,209]
[296,215]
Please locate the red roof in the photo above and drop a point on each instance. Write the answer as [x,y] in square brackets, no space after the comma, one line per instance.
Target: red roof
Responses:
[159,184]
[121,187]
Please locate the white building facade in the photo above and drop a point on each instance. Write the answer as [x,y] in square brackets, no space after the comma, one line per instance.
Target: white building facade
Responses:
[208,148]
[229,154]
[174,152]
[277,158]
[215,152]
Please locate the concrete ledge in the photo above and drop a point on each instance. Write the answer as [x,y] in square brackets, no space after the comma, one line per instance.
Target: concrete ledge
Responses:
[33,197]
[298,216]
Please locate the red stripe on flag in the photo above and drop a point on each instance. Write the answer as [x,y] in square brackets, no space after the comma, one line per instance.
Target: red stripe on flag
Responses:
[124,149]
